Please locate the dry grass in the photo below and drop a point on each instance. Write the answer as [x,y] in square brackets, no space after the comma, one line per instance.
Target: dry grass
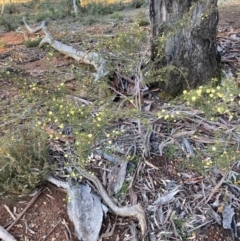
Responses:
[228,2]
[84,2]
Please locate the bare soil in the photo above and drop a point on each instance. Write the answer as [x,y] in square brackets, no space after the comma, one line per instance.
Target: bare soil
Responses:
[47,218]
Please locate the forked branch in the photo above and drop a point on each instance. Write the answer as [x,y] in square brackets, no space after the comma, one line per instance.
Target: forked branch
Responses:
[92,58]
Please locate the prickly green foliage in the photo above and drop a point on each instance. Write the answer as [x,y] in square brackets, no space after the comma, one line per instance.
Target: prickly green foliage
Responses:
[23,160]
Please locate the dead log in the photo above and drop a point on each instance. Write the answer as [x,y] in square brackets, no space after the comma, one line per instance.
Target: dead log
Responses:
[95,59]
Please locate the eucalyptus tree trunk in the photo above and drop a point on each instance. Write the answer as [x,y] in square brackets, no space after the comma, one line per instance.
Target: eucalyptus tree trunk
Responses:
[184,51]
[3,4]
[75,7]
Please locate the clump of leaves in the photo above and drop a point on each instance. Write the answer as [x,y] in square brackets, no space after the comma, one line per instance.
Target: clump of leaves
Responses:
[11,9]
[10,22]
[142,19]
[32,42]
[2,44]
[89,20]
[143,22]
[117,15]
[23,161]
[102,8]
[138,3]
[215,100]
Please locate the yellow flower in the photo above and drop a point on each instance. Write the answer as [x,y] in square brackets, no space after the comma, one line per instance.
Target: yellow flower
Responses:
[199,92]
[194,98]
[185,92]
[90,135]
[214,148]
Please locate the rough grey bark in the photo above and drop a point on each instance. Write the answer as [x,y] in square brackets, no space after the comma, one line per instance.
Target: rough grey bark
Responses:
[75,7]
[184,53]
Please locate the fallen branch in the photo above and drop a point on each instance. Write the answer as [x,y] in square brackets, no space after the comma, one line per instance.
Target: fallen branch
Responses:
[25,210]
[92,58]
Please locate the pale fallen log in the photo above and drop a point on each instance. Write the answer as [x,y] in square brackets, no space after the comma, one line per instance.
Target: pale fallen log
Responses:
[5,235]
[135,211]
[84,209]
[95,59]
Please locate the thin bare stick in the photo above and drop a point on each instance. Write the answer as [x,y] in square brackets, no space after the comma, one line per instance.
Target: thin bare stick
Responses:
[54,227]
[9,211]
[25,209]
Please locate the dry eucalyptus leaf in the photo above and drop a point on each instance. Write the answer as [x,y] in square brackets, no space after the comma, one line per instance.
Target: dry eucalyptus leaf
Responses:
[166,198]
[116,177]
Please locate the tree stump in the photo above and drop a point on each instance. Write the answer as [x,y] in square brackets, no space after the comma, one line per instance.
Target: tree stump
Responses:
[184,50]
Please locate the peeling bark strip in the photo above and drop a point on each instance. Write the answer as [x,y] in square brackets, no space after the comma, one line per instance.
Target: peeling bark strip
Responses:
[184,51]
[135,211]
[92,58]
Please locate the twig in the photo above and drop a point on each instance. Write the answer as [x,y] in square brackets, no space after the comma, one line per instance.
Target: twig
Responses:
[213,191]
[54,227]
[9,211]
[66,226]
[216,188]
[26,208]
[66,234]
[196,228]
[108,233]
